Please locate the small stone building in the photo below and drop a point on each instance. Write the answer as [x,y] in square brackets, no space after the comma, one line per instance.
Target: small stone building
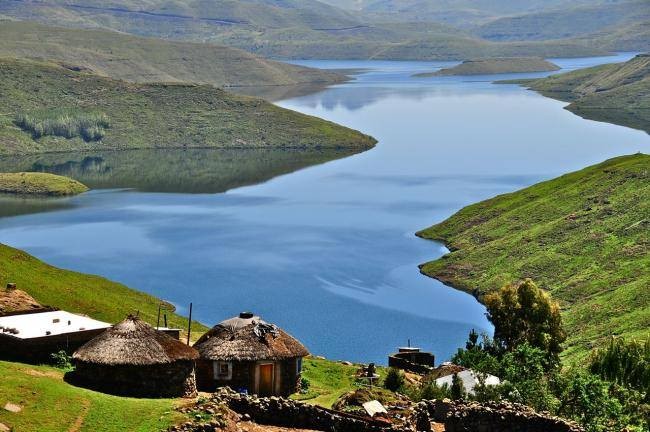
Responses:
[249,355]
[412,359]
[134,359]
[33,336]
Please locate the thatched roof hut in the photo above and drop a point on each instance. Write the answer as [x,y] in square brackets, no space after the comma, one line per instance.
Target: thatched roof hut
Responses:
[134,358]
[252,354]
[248,338]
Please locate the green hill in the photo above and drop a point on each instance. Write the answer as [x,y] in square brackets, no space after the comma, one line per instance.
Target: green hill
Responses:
[615,93]
[583,236]
[566,22]
[43,184]
[139,59]
[496,66]
[94,296]
[45,107]
[288,29]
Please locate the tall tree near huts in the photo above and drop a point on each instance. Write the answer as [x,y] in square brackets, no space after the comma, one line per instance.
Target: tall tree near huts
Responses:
[523,312]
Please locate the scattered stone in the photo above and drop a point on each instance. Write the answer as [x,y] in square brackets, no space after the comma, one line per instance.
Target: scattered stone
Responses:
[4,428]
[13,407]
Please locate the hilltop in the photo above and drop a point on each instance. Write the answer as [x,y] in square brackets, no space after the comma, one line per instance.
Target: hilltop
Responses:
[47,107]
[616,93]
[141,59]
[306,29]
[496,66]
[583,236]
[42,184]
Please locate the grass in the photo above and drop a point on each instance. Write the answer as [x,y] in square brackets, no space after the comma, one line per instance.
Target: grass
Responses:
[583,236]
[614,93]
[41,184]
[66,123]
[155,115]
[329,380]
[51,405]
[91,295]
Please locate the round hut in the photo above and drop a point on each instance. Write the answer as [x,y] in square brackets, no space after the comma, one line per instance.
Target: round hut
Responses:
[134,359]
[249,355]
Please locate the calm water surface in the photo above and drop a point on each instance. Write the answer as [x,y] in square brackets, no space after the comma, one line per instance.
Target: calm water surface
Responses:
[329,251]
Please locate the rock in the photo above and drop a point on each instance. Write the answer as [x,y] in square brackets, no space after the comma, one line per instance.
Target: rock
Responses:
[13,407]
[4,428]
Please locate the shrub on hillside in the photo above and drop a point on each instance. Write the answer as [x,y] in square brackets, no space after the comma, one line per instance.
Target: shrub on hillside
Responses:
[67,123]
[394,380]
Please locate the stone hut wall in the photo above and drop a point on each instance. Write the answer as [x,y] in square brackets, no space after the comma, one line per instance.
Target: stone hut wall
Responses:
[243,374]
[289,377]
[165,380]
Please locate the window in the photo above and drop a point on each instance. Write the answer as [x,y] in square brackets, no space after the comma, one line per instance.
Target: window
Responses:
[298,365]
[222,371]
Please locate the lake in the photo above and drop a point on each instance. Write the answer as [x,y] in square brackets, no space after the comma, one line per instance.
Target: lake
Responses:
[326,251]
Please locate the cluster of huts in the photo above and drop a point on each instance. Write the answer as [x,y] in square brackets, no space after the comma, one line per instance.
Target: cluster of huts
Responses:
[135,359]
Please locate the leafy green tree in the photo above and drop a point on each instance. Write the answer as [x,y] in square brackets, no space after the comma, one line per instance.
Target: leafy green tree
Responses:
[624,362]
[394,380]
[586,398]
[523,312]
[457,389]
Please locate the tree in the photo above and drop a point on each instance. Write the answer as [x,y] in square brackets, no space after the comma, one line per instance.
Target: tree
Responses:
[523,312]
[457,388]
[394,380]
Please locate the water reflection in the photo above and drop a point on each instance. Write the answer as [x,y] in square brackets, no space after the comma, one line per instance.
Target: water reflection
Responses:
[179,171]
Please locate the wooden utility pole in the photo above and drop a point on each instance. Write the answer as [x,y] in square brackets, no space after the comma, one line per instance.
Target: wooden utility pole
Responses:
[189,325]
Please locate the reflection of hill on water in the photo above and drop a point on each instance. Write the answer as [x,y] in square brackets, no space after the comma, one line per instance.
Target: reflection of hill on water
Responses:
[181,171]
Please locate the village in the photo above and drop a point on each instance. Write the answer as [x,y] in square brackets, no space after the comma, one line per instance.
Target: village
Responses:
[246,369]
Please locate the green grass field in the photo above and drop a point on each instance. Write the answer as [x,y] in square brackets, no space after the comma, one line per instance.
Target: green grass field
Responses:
[583,236]
[41,184]
[51,405]
[153,115]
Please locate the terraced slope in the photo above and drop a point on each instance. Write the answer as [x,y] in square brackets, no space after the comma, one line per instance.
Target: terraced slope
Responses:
[45,107]
[583,236]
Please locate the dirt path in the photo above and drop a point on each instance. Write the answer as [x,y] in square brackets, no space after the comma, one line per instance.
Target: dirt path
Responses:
[78,423]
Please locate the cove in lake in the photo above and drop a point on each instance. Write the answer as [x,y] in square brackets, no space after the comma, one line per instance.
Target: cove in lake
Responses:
[329,252]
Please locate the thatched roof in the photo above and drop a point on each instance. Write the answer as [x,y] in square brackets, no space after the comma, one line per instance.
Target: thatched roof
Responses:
[248,338]
[13,301]
[134,342]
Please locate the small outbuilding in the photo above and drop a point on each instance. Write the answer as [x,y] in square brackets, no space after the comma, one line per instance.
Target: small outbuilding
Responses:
[250,355]
[134,359]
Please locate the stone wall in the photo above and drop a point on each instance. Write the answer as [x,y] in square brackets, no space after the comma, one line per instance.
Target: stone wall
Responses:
[166,380]
[460,416]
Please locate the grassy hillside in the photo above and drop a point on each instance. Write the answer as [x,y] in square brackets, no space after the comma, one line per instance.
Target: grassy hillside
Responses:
[615,93]
[51,405]
[288,29]
[77,292]
[148,115]
[139,59]
[496,66]
[583,236]
[44,184]
[566,22]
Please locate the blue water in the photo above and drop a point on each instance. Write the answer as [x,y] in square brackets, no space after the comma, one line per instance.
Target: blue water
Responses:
[329,252]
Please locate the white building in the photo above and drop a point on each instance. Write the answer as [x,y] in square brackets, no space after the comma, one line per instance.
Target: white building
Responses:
[470,379]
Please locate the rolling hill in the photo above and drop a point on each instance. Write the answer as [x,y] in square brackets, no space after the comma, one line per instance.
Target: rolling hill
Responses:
[583,236]
[47,107]
[291,29]
[615,93]
[496,66]
[140,59]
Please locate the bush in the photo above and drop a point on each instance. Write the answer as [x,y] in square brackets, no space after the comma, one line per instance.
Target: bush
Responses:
[624,362]
[61,360]
[394,380]
[304,385]
[457,390]
[67,123]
